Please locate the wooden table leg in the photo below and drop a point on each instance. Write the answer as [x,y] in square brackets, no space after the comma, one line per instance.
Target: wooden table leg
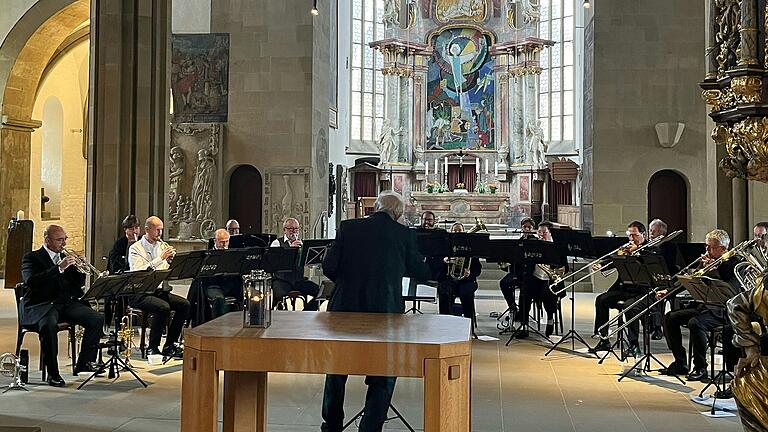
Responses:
[245,401]
[446,395]
[199,392]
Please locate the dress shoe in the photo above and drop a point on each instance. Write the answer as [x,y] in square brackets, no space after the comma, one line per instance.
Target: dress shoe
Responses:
[698,375]
[603,345]
[89,367]
[675,368]
[724,394]
[151,351]
[631,351]
[56,381]
[174,352]
[658,334]
[521,334]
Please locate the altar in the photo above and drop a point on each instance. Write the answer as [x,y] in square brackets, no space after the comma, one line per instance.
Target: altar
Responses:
[464,207]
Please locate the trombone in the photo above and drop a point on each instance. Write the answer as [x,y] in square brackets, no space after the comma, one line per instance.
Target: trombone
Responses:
[626,247]
[738,250]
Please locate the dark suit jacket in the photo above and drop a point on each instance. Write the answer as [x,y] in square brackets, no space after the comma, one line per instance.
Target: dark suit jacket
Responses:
[44,285]
[118,261]
[367,263]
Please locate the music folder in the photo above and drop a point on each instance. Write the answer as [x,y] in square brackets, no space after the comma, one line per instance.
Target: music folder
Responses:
[573,243]
[280,259]
[433,242]
[186,265]
[231,261]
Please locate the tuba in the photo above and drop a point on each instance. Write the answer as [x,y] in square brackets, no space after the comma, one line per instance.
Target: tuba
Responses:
[457,266]
[751,271]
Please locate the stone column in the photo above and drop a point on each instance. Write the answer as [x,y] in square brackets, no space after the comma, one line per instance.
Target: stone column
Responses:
[128,125]
[405,140]
[712,46]
[740,215]
[748,32]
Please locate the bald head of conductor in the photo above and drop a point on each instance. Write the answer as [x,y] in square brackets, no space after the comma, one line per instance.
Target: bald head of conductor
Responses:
[221,239]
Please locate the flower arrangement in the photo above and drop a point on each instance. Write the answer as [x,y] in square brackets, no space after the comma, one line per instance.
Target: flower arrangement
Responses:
[442,188]
[459,185]
[492,187]
[430,187]
[480,187]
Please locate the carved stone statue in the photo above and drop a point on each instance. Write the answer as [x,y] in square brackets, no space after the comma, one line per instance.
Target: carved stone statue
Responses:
[176,156]
[344,194]
[537,149]
[391,10]
[202,187]
[388,143]
[331,189]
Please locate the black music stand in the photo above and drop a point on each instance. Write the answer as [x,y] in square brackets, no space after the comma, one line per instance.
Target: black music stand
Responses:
[531,252]
[572,243]
[111,289]
[277,259]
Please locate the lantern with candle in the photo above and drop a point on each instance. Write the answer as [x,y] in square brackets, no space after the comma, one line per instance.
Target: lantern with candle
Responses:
[257,305]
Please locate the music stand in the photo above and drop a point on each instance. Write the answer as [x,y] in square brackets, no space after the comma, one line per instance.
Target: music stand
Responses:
[241,241]
[186,265]
[433,242]
[573,243]
[277,259]
[111,288]
[530,252]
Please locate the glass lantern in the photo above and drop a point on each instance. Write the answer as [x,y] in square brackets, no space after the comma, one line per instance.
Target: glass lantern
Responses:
[257,296]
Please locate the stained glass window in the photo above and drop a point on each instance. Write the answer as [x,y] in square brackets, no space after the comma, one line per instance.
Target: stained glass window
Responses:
[367,87]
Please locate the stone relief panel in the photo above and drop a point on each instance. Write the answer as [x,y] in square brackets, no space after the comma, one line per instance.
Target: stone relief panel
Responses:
[286,194]
[195,179]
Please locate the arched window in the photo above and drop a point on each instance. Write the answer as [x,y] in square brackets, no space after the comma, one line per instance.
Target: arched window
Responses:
[51,154]
[367,82]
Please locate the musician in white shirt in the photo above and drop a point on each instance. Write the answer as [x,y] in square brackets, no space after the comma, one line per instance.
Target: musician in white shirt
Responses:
[152,253]
[286,281]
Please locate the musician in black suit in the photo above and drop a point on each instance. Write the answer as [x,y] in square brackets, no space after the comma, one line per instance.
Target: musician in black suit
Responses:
[292,280]
[462,283]
[52,289]
[214,289]
[118,261]
[518,272]
[367,262]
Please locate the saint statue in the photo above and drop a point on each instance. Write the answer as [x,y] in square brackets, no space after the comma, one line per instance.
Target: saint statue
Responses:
[202,187]
[391,11]
[537,149]
[388,146]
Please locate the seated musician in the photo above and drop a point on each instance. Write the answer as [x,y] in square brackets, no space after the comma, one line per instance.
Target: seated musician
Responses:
[536,288]
[152,253]
[658,228]
[284,282]
[436,265]
[213,290]
[699,318]
[621,292]
[118,261]
[461,282]
[53,286]
[517,272]
[233,227]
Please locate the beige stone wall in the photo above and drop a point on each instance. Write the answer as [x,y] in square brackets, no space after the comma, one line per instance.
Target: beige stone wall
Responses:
[647,66]
[66,80]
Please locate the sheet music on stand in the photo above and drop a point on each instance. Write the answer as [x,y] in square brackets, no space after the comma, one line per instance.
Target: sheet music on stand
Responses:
[711,292]
[312,251]
[126,284]
[186,265]
[231,261]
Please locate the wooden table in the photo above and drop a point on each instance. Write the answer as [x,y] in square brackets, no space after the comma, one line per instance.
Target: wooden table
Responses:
[434,347]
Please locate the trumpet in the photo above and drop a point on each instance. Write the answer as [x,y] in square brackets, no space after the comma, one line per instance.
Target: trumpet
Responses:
[82,265]
[164,246]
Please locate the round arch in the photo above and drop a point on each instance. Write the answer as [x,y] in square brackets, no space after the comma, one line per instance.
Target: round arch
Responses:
[668,200]
[245,198]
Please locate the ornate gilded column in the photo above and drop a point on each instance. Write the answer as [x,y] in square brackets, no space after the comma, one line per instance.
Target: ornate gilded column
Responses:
[748,31]
[711,42]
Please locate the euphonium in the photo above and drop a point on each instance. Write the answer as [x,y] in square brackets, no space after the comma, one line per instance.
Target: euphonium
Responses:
[457,265]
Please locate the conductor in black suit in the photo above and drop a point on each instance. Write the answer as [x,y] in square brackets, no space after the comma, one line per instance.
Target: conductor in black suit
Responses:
[367,263]
[53,287]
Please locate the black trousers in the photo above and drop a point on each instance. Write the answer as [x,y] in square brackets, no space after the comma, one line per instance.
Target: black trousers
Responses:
[448,290]
[377,401]
[700,321]
[161,305]
[508,284]
[610,300]
[217,295]
[73,313]
[537,290]
[281,287]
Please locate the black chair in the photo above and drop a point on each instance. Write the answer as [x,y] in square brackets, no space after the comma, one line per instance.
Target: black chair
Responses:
[23,330]
[291,297]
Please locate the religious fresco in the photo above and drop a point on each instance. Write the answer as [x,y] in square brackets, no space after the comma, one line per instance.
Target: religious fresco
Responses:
[448,10]
[199,77]
[460,89]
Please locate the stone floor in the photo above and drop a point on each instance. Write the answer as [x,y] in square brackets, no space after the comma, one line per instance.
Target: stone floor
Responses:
[514,388]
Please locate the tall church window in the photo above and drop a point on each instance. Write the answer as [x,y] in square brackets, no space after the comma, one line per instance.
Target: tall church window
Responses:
[556,89]
[367,82]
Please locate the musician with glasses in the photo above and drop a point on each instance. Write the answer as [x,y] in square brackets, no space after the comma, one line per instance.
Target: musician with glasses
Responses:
[52,289]
[621,292]
[118,256]
[460,281]
[215,289]
[284,282]
[233,227]
[699,318]
[152,253]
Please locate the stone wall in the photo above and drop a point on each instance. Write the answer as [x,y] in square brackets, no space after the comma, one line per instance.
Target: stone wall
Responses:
[648,59]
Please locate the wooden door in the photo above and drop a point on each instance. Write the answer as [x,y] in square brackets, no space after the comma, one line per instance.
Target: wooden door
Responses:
[668,200]
[245,198]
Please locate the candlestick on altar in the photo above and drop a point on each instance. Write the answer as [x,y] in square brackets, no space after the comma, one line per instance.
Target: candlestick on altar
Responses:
[426,171]
[496,168]
[477,166]
[486,167]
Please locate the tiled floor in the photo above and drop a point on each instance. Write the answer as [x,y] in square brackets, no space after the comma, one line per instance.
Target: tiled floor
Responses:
[514,388]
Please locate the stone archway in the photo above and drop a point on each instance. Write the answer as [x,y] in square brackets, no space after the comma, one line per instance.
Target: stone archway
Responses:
[24,55]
